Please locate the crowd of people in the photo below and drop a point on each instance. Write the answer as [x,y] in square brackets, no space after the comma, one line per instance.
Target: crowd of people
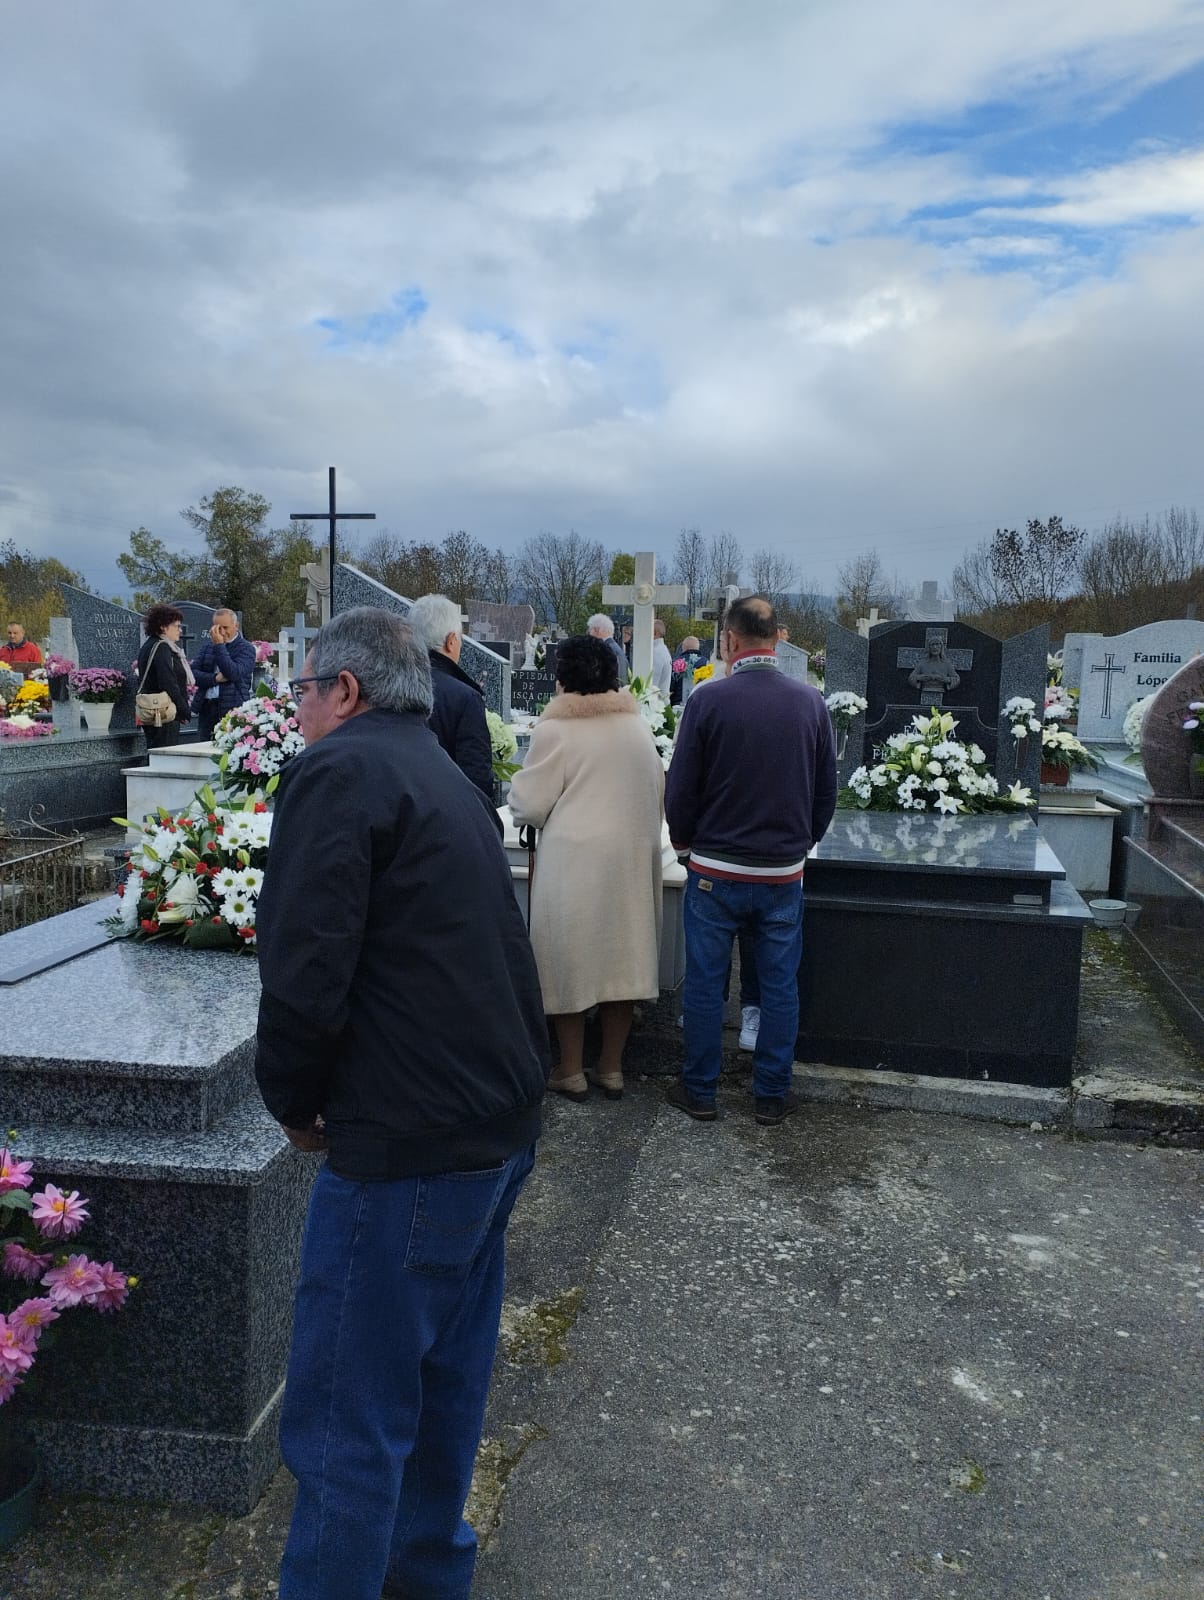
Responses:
[402,1026]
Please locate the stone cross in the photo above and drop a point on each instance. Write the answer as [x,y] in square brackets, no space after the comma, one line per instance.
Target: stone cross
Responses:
[330,517]
[644,596]
[908,659]
[864,624]
[291,648]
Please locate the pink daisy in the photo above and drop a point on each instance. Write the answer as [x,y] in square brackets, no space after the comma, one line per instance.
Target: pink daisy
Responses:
[113,1291]
[14,1174]
[9,1383]
[58,1214]
[16,1347]
[76,1281]
[22,1263]
[33,1315]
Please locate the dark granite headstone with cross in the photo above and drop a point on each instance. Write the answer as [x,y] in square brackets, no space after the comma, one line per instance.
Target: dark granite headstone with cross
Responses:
[905,668]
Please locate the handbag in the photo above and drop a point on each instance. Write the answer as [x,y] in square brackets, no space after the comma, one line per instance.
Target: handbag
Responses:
[158,707]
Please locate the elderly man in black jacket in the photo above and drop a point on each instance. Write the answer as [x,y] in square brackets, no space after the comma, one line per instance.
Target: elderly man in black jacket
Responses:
[458,714]
[401,1029]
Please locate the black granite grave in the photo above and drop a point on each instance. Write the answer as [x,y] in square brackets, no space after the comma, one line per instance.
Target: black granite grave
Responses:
[74,779]
[908,667]
[943,946]
[530,691]
[106,636]
[128,1070]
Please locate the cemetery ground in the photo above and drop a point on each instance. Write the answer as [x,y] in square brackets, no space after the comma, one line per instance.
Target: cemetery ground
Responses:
[879,1353]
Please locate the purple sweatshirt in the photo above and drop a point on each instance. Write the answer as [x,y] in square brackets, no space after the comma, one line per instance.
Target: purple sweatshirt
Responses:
[752,784]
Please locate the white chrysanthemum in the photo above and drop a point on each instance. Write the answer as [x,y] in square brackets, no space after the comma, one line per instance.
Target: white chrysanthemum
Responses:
[238,911]
[253,880]
[226,882]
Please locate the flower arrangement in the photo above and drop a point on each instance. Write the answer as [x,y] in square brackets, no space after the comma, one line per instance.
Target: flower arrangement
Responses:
[58,666]
[1062,749]
[819,663]
[256,740]
[1053,670]
[503,745]
[845,707]
[24,727]
[1059,707]
[33,695]
[705,671]
[34,1229]
[658,714]
[264,651]
[196,876]
[97,686]
[1135,721]
[679,666]
[1021,715]
[926,768]
[10,682]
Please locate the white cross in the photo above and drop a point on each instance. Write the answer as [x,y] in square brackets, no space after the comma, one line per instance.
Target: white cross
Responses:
[644,595]
[864,624]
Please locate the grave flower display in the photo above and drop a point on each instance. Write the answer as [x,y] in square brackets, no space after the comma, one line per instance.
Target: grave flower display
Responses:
[44,1276]
[1061,751]
[658,714]
[33,695]
[195,875]
[927,768]
[24,727]
[503,745]
[1134,722]
[255,741]
[10,682]
[58,674]
[1193,723]
[844,707]
[97,686]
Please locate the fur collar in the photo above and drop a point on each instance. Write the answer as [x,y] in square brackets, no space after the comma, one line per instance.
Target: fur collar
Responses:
[575,707]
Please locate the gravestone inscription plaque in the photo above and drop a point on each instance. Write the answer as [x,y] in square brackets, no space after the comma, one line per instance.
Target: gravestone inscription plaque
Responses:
[1110,673]
[105,636]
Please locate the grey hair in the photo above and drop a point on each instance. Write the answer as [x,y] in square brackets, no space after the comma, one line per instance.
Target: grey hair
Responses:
[433,617]
[381,653]
[604,625]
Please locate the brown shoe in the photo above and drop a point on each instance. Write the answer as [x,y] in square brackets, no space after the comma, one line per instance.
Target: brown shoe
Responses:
[574,1087]
[610,1083]
[701,1110]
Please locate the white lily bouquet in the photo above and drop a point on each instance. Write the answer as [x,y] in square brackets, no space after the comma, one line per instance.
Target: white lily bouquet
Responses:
[659,716]
[927,768]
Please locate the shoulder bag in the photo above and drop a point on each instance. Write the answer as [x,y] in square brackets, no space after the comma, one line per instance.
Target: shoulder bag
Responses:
[157,708]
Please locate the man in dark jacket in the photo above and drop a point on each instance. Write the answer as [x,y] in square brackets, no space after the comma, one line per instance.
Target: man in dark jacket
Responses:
[401,1029]
[752,787]
[458,714]
[224,672]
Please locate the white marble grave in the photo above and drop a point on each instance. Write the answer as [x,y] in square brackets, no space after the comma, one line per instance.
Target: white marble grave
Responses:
[174,774]
[1110,673]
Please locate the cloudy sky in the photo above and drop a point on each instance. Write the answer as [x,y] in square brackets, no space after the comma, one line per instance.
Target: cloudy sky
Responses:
[830,274]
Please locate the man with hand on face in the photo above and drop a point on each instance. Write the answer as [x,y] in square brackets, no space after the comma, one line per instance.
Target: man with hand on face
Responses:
[224,671]
[413,1051]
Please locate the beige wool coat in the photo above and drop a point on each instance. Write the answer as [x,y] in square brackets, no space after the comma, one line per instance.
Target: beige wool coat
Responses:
[594,785]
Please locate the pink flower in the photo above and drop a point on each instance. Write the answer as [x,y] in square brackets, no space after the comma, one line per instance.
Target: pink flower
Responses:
[22,1263]
[58,1215]
[14,1174]
[9,1383]
[16,1347]
[75,1282]
[33,1315]
[113,1292]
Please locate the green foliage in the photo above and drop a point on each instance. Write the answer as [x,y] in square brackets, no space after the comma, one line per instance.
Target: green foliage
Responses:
[29,591]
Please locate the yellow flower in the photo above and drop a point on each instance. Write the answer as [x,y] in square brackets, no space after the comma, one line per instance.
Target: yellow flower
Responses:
[31,691]
[701,674]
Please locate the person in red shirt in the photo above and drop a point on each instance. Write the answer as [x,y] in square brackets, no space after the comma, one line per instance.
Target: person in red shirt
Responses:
[19,651]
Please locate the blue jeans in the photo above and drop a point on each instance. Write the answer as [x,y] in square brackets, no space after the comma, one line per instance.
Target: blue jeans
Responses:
[772,917]
[394,1335]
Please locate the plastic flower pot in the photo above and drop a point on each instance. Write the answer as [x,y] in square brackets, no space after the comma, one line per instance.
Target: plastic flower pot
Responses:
[98,714]
[17,1509]
[1059,776]
[1108,913]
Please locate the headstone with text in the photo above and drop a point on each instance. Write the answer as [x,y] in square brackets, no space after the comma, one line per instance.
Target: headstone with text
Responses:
[906,668]
[792,661]
[500,628]
[1110,673]
[105,636]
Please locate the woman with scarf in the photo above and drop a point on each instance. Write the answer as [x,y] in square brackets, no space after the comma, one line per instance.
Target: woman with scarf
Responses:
[163,668]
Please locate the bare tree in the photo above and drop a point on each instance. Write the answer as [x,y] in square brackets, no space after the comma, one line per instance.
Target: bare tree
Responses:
[807,617]
[976,589]
[462,562]
[1039,564]
[556,570]
[689,564]
[772,574]
[862,585]
[1183,542]
[724,558]
[497,579]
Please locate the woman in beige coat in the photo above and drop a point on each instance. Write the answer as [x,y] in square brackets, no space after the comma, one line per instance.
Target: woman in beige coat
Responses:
[594,784]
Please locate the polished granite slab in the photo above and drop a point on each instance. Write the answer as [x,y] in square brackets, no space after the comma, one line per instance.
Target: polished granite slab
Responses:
[1002,846]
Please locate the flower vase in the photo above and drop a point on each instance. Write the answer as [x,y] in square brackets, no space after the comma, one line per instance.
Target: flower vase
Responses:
[60,687]
[66,714]
[842,742]
[18,1506]
[1058,776]
[99,713]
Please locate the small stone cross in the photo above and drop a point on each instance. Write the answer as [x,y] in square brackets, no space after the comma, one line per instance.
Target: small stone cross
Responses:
[644,595]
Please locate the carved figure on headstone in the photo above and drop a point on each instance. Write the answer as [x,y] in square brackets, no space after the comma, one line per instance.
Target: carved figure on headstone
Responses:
[529,647]
[317,591]
[934,673]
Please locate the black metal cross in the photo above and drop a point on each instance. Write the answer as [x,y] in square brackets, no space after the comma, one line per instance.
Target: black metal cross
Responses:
[1109,668]
[330,517]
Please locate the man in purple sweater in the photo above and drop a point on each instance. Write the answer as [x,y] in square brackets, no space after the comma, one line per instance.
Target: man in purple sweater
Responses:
[752,787]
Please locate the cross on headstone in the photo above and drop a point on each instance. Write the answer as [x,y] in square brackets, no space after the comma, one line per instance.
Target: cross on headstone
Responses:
[1108,667]
[909,659]
[330,517]
[644,595]
[864,624]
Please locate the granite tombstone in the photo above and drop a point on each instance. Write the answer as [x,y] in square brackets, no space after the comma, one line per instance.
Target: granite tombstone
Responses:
[500,627]
[355,588]
[792,661]
[106,636]
[905,668]
[1110,673]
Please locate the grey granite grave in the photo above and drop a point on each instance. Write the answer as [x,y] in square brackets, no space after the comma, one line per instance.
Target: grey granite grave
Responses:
[509,625]
[943,946]
[128,1071]
[61,639]
[792,661]
[354,588]
[982,674]
[1110,673]
[928,606]
[105,636]
[74,778]
[198,619]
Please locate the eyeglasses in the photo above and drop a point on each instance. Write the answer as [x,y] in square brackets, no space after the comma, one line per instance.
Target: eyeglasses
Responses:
[298,684]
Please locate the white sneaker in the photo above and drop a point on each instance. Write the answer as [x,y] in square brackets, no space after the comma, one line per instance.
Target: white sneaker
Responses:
[750,1026]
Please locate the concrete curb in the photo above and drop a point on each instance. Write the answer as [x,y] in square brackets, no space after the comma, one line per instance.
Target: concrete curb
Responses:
[957,1097]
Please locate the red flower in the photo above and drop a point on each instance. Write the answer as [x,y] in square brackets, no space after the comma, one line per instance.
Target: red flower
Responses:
[213,816]
[246,933]
[147,925]
[217,921]
[261,805]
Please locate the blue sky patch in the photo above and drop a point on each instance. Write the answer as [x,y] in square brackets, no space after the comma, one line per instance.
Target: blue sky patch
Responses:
[381,327]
